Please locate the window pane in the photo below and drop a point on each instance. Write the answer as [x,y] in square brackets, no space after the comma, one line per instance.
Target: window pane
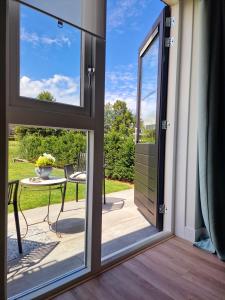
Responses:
[50,58]
[53,241]
[149,94]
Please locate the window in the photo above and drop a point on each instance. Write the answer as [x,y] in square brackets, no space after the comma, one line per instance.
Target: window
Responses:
[50,58]
[48,54]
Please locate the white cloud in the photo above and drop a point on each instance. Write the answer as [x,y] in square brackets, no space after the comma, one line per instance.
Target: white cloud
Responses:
[122,85]
[35,39]
[64,89]
[120,11]
[148,110]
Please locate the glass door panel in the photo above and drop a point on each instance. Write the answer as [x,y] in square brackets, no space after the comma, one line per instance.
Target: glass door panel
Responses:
[148,105]
[47,206]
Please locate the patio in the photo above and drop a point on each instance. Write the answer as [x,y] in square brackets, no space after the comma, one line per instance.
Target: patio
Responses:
[45,254]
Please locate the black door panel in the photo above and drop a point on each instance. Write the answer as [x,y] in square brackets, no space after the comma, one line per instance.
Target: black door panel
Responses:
[151,104]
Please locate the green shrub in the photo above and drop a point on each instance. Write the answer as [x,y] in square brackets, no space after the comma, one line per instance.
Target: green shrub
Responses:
[30,147]
[119,156]
[65,147]
[22,131]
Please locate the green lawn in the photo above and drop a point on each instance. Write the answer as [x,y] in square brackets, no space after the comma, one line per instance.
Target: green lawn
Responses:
[29,199]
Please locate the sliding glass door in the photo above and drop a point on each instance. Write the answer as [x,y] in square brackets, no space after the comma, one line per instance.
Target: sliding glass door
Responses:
[51,136]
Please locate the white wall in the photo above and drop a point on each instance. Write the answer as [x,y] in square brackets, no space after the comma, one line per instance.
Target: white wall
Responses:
[181,188]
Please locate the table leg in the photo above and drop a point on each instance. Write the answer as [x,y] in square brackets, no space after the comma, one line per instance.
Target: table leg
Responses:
[49,202]
[63,193]
[20,209]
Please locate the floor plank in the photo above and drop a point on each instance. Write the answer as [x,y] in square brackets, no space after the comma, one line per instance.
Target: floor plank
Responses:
[173,269]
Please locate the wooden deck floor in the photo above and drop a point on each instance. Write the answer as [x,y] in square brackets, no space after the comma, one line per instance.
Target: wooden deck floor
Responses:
[173,269]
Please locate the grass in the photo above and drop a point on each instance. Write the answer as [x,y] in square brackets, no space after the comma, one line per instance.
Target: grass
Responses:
[31,199]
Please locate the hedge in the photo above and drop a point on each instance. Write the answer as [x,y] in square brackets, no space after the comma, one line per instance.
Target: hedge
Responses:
[119,156]
[64,147]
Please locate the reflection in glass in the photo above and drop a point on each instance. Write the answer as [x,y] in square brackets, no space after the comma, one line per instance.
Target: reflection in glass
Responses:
[49,58]
[149,94]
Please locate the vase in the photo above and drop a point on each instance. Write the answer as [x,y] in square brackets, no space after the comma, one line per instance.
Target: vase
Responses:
[43,172]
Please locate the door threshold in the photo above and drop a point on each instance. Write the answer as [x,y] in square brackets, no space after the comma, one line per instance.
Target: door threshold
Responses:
[135,249]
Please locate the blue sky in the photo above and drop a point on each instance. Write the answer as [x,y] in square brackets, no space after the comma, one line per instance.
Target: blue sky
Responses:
[50,58]
[128,23]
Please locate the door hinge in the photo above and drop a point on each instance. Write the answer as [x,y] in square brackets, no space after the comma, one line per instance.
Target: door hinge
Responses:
[170,21]
[162,208]
[165,124]
[91,72]
[169,42]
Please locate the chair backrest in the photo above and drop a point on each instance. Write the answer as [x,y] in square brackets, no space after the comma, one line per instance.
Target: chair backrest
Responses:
[12,191]
[68,170]
[78,166]
[81,166]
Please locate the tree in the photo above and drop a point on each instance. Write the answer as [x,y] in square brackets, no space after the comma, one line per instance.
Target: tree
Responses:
[119,141]
[46,96]
[119,118]
[124,119]
[108,117]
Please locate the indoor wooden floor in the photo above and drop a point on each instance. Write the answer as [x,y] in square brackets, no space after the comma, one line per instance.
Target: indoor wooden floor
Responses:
[173,269]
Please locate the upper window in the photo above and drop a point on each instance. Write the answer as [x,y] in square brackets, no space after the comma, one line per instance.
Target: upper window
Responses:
[50,58]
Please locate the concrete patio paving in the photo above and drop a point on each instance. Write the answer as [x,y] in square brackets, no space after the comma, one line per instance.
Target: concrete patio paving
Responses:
[46,256]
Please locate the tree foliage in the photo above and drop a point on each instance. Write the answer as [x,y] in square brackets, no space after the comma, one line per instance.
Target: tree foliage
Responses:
[64,147]
[119,141]
[46,96]
[119,118]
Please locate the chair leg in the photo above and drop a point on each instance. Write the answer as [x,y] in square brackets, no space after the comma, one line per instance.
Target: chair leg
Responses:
[16,215]
[63,196]
[76,191]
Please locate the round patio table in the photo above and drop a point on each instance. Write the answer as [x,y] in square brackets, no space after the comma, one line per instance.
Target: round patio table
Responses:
[39,184]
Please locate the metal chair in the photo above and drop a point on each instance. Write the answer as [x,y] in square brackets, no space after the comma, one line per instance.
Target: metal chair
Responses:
[12,200]
[76,173]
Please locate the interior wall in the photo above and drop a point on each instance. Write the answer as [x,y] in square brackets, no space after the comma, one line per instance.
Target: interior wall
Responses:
[181,191]
[172,112]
